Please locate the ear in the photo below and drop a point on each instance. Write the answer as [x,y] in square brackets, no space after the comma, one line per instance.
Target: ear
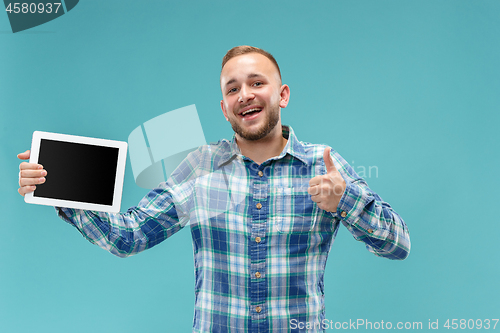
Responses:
[223,108]
[284,95]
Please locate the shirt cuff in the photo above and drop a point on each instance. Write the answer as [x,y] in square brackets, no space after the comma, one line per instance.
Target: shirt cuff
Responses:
[352,204]
[64,214]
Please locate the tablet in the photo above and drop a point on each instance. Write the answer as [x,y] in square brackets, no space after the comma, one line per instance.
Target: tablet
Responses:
[84,173]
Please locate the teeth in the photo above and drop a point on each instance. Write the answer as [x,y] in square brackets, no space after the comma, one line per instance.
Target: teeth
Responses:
[248,111]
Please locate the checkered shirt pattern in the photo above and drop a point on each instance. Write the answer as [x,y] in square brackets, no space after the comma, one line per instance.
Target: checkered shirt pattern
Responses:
[260,243]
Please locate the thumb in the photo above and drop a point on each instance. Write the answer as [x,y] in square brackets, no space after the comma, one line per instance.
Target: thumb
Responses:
[328,160]
[24,156]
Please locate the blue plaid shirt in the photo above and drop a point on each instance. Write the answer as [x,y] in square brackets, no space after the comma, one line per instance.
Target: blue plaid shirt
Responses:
[260,242]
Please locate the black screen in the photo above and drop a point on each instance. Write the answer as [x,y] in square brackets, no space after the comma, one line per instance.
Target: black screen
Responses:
[77,172]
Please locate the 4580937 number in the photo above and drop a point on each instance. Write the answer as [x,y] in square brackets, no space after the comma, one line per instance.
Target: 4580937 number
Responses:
[33,8]
[471,324]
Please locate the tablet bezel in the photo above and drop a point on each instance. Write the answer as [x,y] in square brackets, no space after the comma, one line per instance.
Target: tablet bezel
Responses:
[120,171]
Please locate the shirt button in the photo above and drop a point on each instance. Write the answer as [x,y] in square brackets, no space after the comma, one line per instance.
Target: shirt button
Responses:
[260,173]
[257,275]
[370,231]
[343,214]
[258,309]
[259,205]
[257,239]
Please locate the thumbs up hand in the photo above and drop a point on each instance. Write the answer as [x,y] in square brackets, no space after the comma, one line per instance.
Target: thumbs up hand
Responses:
[327,190]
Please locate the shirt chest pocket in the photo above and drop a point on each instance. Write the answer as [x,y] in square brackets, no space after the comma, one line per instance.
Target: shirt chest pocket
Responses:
[295,212]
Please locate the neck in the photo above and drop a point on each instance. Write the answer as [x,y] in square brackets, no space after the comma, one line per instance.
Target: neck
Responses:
[261,150]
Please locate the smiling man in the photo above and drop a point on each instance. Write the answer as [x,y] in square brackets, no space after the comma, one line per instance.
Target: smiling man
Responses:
[250,84]
[264,209]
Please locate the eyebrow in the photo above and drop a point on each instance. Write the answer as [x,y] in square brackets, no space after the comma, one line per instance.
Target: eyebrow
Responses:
[250,76]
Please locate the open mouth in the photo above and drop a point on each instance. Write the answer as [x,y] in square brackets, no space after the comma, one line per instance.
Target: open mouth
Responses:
[250,113]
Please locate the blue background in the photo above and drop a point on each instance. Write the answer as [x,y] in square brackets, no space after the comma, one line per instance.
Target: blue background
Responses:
[409,87]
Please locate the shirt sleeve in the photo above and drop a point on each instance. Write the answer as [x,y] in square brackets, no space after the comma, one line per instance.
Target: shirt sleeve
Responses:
[369,218]
[153,220]
[161,213]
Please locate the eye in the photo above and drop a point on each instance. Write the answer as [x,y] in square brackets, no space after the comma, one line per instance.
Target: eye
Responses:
[232,90]
[258,83]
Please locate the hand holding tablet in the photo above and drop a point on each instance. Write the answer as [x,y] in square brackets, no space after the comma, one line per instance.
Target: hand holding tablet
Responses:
[81,172]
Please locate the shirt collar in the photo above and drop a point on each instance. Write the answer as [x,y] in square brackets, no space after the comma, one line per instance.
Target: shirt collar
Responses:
[293,147]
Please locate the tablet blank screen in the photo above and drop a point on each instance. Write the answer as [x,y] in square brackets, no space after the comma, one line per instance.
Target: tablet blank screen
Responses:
[77,172]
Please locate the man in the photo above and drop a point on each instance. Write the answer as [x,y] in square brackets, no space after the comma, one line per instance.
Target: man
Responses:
[263,208]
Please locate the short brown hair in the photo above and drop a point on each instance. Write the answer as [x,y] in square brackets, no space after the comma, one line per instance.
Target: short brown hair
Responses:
[245,49]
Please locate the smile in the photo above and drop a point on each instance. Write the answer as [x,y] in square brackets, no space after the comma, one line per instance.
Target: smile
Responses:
[250,112]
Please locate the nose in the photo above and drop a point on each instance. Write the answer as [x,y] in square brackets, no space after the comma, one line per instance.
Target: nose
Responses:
[245,95]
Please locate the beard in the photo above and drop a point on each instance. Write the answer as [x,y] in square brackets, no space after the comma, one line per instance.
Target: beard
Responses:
[272,118]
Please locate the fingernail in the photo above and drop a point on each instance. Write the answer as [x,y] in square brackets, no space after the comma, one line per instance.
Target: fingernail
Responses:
[44,173]
[40,166]
[41,180]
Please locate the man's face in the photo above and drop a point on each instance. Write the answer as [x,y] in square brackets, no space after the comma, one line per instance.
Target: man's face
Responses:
[252,95]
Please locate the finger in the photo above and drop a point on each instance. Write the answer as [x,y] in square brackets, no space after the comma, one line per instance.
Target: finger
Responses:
[327,158]
[31,181]
[30,166]
[313,190]
[24,156]
[316,198]
[31,174]
[26,189]
[315,181]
